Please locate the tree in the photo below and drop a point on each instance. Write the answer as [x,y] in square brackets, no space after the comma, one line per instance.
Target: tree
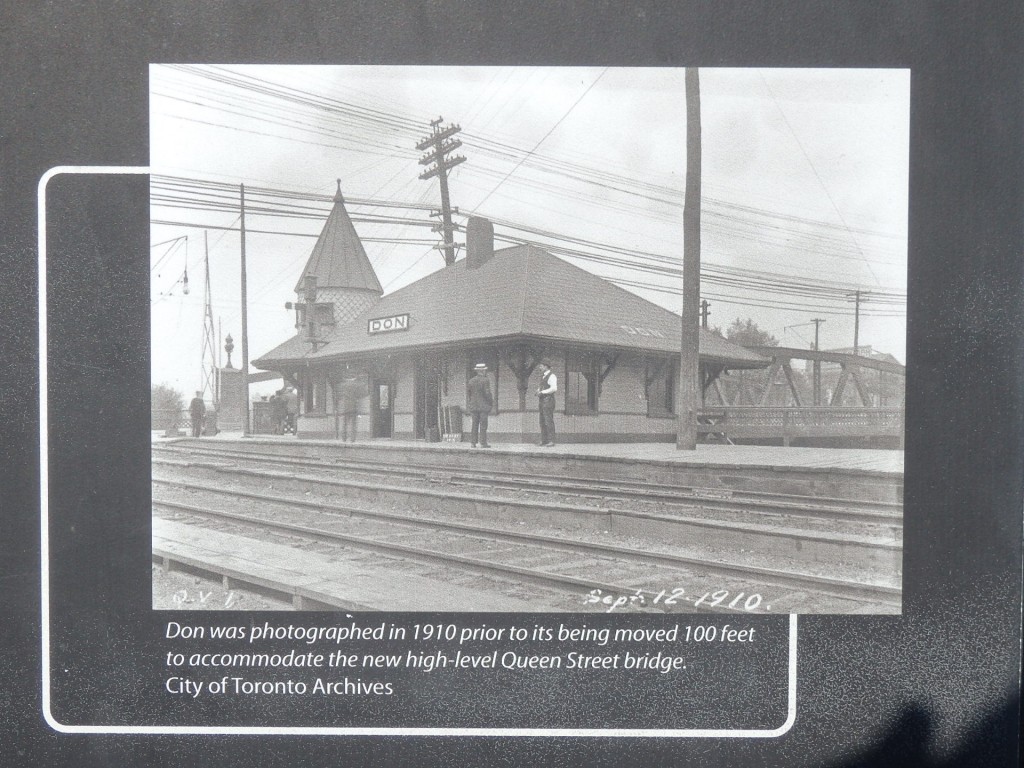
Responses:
[747,334]
[166,404]
[745,387]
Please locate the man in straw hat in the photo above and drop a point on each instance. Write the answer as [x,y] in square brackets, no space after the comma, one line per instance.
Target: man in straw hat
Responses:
[480,401]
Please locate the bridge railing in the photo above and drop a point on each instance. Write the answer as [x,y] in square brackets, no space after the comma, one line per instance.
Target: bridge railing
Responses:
[747,421]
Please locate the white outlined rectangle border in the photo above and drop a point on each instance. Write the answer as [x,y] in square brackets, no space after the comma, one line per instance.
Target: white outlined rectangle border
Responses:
[289,730]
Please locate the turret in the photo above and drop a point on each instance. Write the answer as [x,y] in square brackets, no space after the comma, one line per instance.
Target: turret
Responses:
[338,281]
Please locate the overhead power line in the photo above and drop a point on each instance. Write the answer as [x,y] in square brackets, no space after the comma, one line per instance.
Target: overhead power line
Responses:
[366,126]
[215,197]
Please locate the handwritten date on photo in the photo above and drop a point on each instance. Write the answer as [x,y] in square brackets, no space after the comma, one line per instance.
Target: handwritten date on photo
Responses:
[610,601]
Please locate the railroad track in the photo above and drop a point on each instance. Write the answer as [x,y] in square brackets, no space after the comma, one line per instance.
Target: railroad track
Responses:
[863,547]
[583,572]
[817,542]
[577,490]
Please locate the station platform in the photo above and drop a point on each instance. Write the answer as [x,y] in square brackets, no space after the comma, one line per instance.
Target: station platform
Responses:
[839,472]
[869,459]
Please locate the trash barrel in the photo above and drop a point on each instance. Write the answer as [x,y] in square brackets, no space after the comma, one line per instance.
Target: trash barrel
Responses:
[452,428]
[210,423]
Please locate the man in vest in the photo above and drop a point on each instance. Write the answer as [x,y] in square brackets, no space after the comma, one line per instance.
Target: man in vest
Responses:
[546,392]
[480,399]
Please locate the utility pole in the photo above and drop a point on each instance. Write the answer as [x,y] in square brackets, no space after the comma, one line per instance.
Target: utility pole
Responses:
[689,354]
[245,326]
[220,362]
[705,310]
[856,323]
[817,363]
[817,324]
[209,351]
[442,143]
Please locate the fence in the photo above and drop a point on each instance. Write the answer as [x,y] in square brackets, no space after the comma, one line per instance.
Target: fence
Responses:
[755,422]
[172,421]
[163,419]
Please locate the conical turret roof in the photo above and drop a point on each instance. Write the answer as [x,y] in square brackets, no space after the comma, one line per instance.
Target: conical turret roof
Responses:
[338,259]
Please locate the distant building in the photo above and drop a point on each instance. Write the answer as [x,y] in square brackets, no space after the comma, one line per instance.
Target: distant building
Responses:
[615,354]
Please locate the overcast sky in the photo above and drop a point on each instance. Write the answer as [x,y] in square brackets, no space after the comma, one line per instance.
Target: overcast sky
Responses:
[805,176]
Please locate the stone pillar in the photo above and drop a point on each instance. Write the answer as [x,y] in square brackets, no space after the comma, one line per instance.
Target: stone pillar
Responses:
[232,393]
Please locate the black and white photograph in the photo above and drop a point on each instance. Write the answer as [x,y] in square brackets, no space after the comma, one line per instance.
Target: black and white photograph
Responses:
[467,384]
[528,339]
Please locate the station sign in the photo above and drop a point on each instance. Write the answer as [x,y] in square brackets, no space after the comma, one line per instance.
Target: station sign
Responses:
[387,324]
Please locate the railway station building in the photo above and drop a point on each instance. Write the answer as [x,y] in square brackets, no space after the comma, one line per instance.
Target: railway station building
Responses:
[615,354]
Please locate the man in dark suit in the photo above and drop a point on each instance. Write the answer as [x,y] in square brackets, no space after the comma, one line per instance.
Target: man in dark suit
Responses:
[480,402]
[197,413]
[278,411]
[349,395]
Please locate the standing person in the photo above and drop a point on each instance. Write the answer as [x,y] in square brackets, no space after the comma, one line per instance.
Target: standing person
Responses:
[278,411]
[478,392]
[291,399]
[350,393]
[197,411]
[546,392]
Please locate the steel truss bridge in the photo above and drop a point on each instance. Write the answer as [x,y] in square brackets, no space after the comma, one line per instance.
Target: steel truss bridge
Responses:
[747,413]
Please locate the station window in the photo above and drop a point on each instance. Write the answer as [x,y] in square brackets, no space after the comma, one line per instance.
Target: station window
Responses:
[661,392]
[581,384]
[324,316]
[489,357]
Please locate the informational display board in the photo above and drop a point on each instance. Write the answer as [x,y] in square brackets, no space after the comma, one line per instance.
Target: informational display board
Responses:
[102,670]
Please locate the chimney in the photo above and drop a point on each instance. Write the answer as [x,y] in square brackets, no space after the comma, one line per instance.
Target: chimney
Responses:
[479,241]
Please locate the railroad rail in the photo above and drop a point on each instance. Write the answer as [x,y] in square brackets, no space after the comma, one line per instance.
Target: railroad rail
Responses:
[868,547]
[621,492]
[575,569]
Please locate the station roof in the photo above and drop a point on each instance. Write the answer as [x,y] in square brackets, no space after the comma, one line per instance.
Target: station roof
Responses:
[338,259]
[522,291]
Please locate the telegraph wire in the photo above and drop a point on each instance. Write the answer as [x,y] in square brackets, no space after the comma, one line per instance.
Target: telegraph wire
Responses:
[544,137]
[614,256]
[533,158]
[222,198]
[814,170]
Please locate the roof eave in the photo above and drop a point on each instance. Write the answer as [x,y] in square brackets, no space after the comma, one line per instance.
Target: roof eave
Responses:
[338,355]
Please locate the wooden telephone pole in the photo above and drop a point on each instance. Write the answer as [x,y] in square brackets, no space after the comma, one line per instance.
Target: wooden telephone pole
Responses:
[689,357]
[245,321]
[442,143]
[817,363]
